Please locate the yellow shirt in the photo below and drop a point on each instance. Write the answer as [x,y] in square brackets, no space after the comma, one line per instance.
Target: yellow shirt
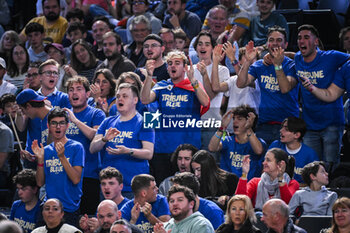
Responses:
[55,31]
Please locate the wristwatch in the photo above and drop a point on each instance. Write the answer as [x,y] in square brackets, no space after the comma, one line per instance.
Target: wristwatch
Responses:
[278,67]
[131,152]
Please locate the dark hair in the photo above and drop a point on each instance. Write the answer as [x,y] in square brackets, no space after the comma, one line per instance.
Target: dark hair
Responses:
[75,13]
[311,168]
[243,111]
[204,33]
[117,38]
[181,147]
[296,125]
[35,64]
[42,3]
[76,26]
[342,33]
[26,177]
[34,27]
[80,80]
[145,1]
[75,63]
[7,98]
[132,75]
[57,112]
[57,200]
[179,34]
[122,222]
[103,19]
[154,37]
[212,177]
[110,172]
[34,104]
[188,193]
[12,68]
[281,155]
[188,180]
[133,88]
[310,28]
[279,29]
[140,182]
[110,78]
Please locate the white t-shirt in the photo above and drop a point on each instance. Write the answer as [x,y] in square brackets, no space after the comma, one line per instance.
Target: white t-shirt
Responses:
[7,87]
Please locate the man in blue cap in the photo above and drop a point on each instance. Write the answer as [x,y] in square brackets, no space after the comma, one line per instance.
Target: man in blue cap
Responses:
[33,116]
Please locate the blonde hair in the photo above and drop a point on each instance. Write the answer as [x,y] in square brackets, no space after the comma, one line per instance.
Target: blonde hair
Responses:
[176,54]
[248,207]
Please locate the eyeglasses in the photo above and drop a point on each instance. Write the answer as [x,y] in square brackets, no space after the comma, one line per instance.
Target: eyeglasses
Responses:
[55,123]
[51,73]
[138,3]
[32,75]
[147,46]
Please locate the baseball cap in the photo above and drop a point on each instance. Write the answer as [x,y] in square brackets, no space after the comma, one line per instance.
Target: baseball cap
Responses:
[28,95]
[59,47]
[2,63]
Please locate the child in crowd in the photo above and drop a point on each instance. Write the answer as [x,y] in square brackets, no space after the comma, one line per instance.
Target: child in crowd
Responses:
[180,40]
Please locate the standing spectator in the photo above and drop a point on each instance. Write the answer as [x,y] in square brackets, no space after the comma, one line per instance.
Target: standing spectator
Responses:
[55,26]
[35,34]
[59,165]
[25,211]
[115,61]
[17,66]
[177,16]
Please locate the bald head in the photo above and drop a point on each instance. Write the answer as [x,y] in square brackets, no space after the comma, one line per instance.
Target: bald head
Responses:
[107,213]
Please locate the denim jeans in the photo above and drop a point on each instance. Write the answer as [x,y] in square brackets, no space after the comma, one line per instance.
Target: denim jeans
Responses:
[326,142]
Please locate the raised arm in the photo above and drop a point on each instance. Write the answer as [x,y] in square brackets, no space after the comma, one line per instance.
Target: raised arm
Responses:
[206,81]
[100,141]
[215,82]
[147,95]
[254,142]
[39,154]
[200,93]
[244,79]
[215,141]
[89,132]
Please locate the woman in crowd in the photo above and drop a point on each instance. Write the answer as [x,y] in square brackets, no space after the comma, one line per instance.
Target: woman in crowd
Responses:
[53,216]
[275,182]
[83,61]
[239,216]
[214,182]
[17,66]
[103,90]
[341,217]
[8,40]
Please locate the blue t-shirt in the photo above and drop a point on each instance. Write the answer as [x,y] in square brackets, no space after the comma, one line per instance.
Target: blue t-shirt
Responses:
[121,204]
[180,110]
[58,184]
[232,154]
[275,106]
[59,99]
[342,81]
[132,133]
[91,117]
[304,156]
[37,130]
[320,71]
[212,212]
[159,208]
[141,108]
[26,219]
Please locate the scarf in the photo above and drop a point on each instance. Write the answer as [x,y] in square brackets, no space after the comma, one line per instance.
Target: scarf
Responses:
[268,188]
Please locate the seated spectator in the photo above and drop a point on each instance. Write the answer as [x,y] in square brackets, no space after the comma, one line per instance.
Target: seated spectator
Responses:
[168,37]
[154,207]
[207,208]
[83,61]
[25,211]
[140,7]
[276,217]
[240,216]
[6,147]
[35,34]
[181,160]
[341,216]
[275,182]
[184,218]
[180,40]
[100,27]
[8,226]
[121,226]
[5,87]
[242,142]
[17,66]
[75,31]
[32,80]
[8,40]
[214,182]
[53,216]
[291,136]
[344,39]
[260,24]
[315,199]
[112,185]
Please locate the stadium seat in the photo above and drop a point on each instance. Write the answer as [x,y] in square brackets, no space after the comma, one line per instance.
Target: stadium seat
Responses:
[313,224]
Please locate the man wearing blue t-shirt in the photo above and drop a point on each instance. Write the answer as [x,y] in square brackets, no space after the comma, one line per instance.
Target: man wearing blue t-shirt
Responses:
[324,121]
[123,141]
[84,123]
[179,102]
[60,166]
[277,102]
[292,132]
[25,211]
[147,207]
